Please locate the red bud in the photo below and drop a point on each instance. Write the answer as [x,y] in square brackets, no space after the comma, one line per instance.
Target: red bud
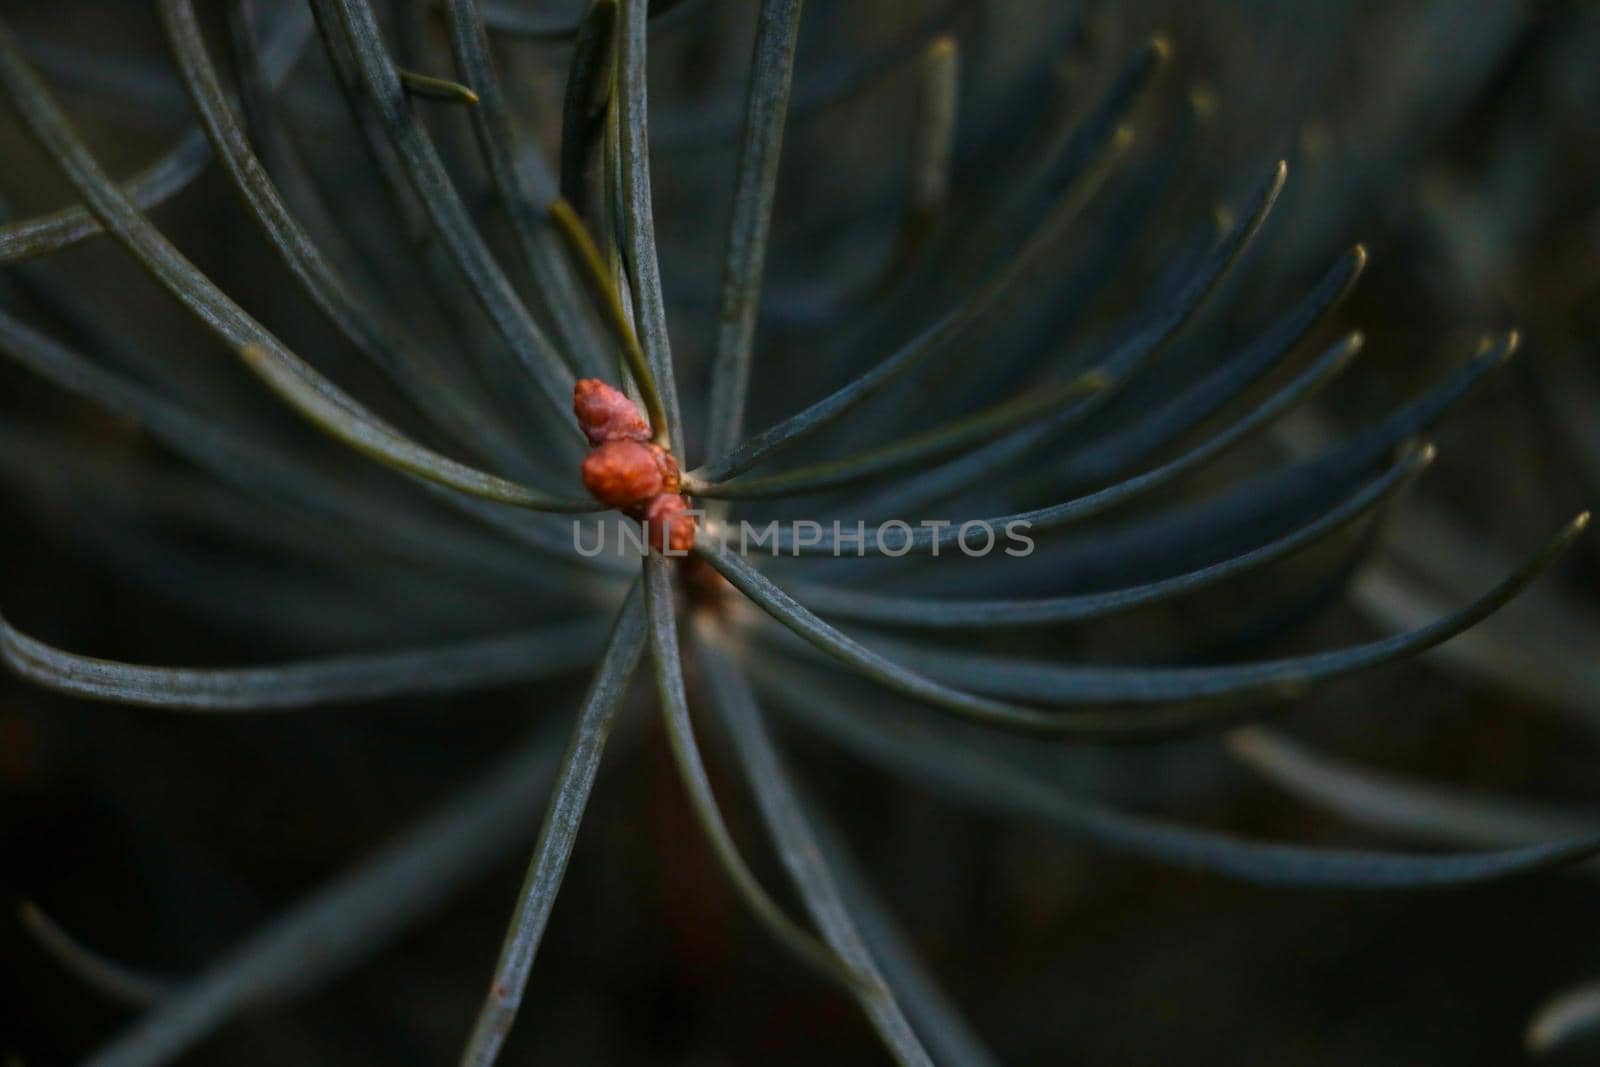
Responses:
[605,414]
[622,473]
[671,526]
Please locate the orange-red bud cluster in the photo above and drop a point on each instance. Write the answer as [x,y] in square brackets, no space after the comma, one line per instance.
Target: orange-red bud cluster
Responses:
[627,470]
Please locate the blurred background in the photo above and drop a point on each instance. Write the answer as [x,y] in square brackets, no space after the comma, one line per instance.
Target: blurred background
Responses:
[1459,142]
